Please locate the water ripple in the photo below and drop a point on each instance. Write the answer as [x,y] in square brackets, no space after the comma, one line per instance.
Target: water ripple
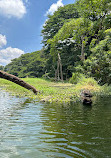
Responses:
[30,129]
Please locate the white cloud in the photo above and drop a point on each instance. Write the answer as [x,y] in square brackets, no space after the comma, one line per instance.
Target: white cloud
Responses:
[54,7]
[6,55]
[3,40]
[12,8]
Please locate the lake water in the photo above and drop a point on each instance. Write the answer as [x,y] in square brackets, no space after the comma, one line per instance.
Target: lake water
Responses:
[29,129]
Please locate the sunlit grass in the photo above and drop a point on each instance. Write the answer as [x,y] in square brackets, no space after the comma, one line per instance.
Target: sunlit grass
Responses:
[88,84]
[51,91]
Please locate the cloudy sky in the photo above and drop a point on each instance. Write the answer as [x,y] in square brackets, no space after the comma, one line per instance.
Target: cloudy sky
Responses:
[21,22]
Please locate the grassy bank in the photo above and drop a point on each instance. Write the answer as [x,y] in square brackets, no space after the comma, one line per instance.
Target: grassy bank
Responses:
[52,91]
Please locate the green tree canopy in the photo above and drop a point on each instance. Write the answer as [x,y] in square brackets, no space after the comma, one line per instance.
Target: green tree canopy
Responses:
[94,9]
[56,21]
[98,65]
[30,64]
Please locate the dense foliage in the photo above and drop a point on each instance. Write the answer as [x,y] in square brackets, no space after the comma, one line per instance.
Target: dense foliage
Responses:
[76,39]
[98,64]
[28,65]
[56,21]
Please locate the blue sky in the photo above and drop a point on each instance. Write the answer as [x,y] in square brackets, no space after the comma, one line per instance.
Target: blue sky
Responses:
[21,22]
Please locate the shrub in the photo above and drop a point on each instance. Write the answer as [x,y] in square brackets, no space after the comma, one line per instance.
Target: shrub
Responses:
[76,77]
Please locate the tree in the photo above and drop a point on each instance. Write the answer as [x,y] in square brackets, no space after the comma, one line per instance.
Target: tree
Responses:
[75,35]
[50,28]
[56,21]
[94,10]
[98,65]
[30,64]
[1,67]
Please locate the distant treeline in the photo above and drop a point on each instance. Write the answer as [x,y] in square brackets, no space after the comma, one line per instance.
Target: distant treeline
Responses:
[76,39]
[27,65]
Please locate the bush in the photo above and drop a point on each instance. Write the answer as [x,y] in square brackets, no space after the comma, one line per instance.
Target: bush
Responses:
[88,81]
[76,77]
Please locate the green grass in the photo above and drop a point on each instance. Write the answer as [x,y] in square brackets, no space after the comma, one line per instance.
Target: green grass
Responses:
[51,91]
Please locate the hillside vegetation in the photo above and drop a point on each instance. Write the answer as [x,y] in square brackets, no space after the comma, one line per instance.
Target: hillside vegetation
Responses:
[28,65]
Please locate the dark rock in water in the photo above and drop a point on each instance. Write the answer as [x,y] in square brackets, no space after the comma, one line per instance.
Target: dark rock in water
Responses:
[86,97]
[87,101]
[86,93]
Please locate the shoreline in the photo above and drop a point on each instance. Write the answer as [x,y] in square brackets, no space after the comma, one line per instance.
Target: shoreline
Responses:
[51,91]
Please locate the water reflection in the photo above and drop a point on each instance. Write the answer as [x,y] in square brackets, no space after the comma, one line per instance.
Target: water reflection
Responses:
[79,131]
[29,129]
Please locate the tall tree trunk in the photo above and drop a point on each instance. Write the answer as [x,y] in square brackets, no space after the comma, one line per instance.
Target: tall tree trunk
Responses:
[61,71]
[60,64]
[82,49]
[58,70]
[17,81]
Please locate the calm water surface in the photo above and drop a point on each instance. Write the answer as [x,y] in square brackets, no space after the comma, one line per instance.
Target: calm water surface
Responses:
[29,129]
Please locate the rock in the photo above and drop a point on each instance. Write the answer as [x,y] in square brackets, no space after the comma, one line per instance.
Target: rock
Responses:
[87,101]
[86,97]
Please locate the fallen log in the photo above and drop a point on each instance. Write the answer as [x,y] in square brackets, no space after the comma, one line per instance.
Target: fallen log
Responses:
[17,80]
